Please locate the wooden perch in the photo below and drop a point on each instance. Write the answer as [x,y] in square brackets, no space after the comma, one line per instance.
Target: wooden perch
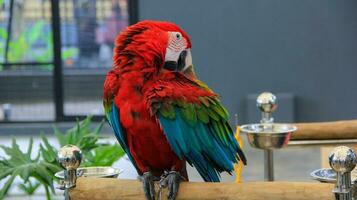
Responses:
[110,189]
[326,130]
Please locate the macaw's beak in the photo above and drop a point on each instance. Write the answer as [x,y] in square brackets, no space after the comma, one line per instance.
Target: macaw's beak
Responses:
[183,64]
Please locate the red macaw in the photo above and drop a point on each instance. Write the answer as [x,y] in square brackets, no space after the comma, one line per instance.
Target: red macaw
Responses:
[161,114]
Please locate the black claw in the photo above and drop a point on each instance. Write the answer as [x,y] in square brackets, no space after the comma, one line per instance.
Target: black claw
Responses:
[148,185]
[172,181]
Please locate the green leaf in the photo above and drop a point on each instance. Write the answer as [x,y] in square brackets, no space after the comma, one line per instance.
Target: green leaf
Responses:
[7,185]
[103,155]
[29,148]
[5,173]
[51,167]
[44,173]
[49,151]
[99,127]
[21,164]
[61,137]
[47,155]
[80,135]
[16,155]
[28,187]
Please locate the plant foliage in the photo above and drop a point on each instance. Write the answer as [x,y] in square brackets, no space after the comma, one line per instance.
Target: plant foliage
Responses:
[40,170]
[21,164]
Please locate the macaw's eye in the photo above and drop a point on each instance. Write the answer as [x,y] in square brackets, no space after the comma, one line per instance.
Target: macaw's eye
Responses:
[178,36]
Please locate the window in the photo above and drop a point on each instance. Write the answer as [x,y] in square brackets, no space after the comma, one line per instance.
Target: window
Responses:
[54,55]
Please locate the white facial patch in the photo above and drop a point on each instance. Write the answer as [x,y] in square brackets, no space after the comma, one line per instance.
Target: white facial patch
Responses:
[176,44]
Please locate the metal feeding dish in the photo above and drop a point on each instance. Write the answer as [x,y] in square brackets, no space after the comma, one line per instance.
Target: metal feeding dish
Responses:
[70,158]
[329,175]
[100,172]
[267,134]
[324,175]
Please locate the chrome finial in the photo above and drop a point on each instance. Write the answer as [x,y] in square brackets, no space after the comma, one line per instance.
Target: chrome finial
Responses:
[267,104]
[70,158]
[343,160]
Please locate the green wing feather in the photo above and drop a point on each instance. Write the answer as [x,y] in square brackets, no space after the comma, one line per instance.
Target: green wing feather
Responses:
[200,133]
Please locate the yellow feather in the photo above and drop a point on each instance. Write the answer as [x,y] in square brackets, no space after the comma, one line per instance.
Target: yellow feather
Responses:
[238,168]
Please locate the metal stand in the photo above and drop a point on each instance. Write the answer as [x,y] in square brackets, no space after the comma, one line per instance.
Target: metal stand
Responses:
[70,158]
[343,160]
[267,135]
[343,186]
[268,165]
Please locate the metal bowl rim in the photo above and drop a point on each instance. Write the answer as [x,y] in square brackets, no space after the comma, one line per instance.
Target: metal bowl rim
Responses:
[269,135]
[323,179]
[117,171]
[291,128]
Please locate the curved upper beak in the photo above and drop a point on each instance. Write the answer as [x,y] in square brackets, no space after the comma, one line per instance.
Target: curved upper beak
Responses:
[187,60]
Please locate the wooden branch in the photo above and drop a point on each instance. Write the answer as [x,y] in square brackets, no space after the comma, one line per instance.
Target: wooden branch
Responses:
[110,189]
[326,130]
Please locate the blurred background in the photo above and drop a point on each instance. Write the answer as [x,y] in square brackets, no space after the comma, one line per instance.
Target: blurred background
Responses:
[51,77]
[303,51]
[54,56]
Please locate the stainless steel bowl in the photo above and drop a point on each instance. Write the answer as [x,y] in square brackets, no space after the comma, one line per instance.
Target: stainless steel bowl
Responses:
[324,175]
[102,172]
[268,136]
[328,175]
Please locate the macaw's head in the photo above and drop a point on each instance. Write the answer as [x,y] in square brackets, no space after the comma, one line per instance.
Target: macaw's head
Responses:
[153,47]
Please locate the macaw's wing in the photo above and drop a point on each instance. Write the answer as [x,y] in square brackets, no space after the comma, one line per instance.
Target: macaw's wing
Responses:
[195,124]
[114,121]
[112,112]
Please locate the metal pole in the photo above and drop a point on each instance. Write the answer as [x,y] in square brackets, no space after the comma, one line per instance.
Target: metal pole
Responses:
[343,186]
[268,165]
[57,60]
[9,31]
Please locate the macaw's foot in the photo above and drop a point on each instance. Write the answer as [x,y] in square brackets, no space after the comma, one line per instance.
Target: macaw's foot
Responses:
[171,180]
[148,184]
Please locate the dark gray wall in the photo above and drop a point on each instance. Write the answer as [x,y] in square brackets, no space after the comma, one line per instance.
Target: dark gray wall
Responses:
[304,47]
